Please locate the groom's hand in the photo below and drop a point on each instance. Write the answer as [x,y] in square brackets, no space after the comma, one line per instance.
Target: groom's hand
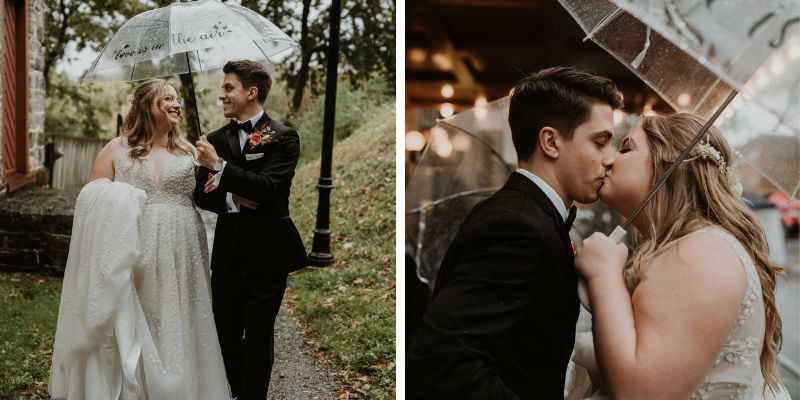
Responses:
[210,184]
[206,154]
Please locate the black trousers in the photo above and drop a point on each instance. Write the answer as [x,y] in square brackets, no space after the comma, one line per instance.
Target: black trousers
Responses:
[245,308]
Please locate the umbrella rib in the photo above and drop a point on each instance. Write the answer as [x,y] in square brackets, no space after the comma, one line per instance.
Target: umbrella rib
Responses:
[261,50]
[606,20]
[678,161]
[480,140]
[453,196]
[706,95]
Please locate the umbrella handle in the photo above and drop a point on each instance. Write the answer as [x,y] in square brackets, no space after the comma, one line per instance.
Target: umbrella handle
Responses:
[583,291]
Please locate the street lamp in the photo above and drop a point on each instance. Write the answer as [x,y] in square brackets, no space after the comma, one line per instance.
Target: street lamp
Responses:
[321,255]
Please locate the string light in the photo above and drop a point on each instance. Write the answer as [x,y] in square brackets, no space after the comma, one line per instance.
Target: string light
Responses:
[446,110]
[684,99]
[415,141]
[447,91]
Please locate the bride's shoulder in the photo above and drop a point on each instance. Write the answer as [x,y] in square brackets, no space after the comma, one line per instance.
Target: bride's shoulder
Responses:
[704,260]
[112,148]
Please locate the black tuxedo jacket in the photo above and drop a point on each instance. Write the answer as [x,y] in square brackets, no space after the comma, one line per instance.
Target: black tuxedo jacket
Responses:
[501,324]
[265,240]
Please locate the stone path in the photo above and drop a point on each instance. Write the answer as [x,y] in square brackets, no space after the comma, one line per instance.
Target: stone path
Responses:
[297,373]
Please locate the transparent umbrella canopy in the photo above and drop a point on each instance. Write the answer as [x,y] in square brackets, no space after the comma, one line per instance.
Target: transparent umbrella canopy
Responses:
[469,157]
[197,36]
[695,53]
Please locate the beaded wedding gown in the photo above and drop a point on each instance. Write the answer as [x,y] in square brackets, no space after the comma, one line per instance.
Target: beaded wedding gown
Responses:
[135,319]
[736,371]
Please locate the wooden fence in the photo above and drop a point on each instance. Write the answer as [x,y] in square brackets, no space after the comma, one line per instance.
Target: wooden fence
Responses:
[72,170]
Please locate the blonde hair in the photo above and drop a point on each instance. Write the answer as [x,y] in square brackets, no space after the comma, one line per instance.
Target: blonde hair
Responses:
[696,195]
[138,126]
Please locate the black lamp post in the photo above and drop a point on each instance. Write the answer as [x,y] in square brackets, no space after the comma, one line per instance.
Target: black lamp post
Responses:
[321,247]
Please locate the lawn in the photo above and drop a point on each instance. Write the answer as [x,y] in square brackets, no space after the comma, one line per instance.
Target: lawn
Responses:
[28,313]
[349,307]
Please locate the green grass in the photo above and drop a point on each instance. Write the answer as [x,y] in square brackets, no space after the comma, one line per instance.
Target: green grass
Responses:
[348,308]
[28,314]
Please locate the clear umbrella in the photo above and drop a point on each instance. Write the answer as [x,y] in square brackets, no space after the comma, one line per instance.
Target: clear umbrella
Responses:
[197,36]
[469,157]
[181,38]
[696,53]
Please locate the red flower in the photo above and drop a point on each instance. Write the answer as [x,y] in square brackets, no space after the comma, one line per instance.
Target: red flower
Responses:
[255,139]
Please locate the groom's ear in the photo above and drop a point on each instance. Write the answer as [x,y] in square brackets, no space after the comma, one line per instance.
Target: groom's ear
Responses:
[549,141]
[252,93]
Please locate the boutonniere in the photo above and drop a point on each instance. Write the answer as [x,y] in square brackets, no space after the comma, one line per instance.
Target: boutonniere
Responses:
[262,136]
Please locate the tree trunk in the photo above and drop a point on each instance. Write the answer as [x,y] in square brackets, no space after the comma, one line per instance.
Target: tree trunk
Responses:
[51,55]
[302,75]
[189,107]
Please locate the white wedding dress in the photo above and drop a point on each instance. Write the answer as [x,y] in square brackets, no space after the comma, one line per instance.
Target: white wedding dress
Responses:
[735,373]
[135,319]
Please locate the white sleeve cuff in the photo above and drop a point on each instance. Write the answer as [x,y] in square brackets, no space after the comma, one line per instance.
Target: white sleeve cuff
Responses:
[232,206]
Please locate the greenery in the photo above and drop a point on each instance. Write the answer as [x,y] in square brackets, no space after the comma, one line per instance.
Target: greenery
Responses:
[349,307]
[87,111]
[28,309]
[355,103]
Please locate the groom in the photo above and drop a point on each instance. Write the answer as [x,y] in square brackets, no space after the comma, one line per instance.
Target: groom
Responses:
[501,323]
[246,172]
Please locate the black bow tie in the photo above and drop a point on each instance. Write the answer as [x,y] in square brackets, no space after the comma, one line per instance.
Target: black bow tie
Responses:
[571,217]
[245,126]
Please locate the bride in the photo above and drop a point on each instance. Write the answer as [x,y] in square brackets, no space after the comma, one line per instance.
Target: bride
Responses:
[692,313]
[135,318]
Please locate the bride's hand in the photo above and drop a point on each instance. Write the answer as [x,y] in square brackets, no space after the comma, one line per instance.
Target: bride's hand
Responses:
[599,255]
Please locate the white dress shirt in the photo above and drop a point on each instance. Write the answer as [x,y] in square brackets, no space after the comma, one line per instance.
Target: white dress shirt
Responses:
[233,207]
[548,190]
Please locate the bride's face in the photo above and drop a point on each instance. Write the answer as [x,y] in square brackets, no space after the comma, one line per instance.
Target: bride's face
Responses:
[166,108]
[630,176]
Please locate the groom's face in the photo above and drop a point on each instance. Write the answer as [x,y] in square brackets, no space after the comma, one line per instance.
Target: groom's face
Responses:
[234,96]
[584,159]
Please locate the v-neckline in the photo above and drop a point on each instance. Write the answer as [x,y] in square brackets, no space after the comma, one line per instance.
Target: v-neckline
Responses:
[151,174]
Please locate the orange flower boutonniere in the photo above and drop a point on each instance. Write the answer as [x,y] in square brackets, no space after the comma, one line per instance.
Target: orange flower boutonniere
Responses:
[262,136]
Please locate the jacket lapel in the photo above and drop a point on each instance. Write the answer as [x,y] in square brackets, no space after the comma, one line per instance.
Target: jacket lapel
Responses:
[519,182]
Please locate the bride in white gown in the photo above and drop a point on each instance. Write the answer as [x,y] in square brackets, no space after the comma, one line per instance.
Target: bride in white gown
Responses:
[135,319]
[692,313]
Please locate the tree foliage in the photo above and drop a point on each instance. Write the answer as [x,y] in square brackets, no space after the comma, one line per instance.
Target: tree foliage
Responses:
[366,48]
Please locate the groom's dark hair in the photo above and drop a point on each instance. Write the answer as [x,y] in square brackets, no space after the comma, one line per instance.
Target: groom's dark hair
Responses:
[558,97]
[251,74]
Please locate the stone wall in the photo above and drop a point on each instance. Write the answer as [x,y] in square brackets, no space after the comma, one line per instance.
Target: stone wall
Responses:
[35,230]
[36,13]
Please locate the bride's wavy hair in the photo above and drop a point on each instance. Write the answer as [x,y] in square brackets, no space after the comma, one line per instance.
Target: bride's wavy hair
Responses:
[139,125]
[696,195]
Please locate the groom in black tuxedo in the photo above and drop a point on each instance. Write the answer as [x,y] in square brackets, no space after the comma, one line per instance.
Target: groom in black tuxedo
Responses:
[501,323]
[246,172]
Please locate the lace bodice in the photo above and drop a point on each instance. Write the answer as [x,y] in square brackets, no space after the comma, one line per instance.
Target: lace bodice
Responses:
[175,186]
[736,372]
